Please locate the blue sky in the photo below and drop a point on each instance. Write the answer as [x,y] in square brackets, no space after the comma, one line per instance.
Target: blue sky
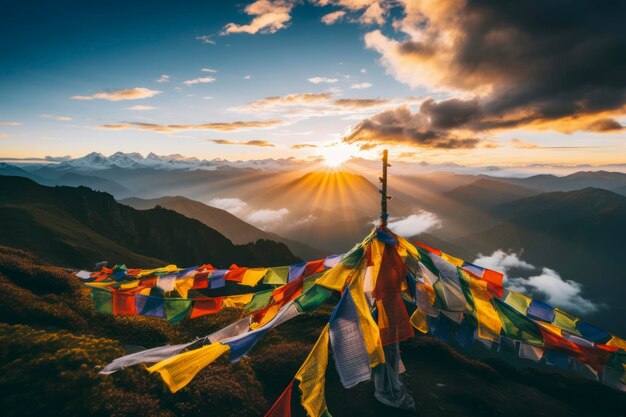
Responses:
[57,52]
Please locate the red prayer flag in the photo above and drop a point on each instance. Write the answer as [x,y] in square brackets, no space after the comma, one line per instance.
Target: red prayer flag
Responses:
[124,303]
[288,292]
[393,319]
[596,357]
[205,306]
[314,267]
[200,280]
[282,406]
[428,248]
[235,273]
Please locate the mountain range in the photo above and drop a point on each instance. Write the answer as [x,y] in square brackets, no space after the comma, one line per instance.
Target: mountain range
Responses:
[78,227]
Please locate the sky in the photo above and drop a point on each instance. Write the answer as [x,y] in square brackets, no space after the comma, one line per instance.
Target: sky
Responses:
[468,82]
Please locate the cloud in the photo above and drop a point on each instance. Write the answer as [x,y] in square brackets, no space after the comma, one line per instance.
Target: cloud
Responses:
[57,158]
[304,105]
[374,14]
[564,71]
[247,77]
[360,86]
[520,144]
[267,218]
[206,39]
[414,224]
[319,80]
[270,16]
[333,17]
[59,118]
[209,70]
[304,145]
[604,125]
[219,126]
[547,284]
[119,95]
[200,80]
[3,136]
[163,79]
[261,143]
[232,205]
[400,126]
[10,123]
[140,107]
[502,261]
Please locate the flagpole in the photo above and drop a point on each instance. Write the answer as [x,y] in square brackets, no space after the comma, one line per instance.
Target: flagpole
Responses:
[383,193]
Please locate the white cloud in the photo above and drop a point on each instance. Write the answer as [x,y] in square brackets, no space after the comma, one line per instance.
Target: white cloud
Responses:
[59,118]
[206,39]
[232,205]
[163,79]
[10,123]
[211,70]
[334,17]
[547,285]
[318,80]
[270,17]
[363,71]
[266,218]
[200,80]
[414,224]
[360,86]
[139,107]
[247,77]
[502,261]
[136,93]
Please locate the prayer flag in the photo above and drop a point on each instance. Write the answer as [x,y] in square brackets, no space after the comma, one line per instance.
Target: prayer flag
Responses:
[252,276]
[312,377]
[205,306]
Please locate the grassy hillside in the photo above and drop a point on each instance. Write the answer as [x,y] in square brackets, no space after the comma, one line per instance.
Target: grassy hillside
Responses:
[78,227]
[52,345]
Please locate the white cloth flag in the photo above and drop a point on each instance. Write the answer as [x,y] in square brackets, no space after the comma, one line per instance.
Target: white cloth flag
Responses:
[83,274]
[231,330]
[153,355]
[533,353]
[348,345]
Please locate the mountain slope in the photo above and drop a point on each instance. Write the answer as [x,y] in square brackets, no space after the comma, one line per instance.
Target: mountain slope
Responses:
[227,224]
[78,226]
[579,233]
[487,192]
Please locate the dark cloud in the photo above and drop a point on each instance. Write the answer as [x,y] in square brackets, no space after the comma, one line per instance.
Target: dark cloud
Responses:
[533,62]
[401,126]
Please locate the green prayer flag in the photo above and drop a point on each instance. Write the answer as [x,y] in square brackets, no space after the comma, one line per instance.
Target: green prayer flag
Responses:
[353,258]
[427,260]
[260,300]
[518,301]
[102,299]
[277,276]
[309,281]
[517,326]
[565,321]
[312,298]
[177,309]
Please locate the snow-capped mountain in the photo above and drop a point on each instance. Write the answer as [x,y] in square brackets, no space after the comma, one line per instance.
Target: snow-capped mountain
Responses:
[96,161]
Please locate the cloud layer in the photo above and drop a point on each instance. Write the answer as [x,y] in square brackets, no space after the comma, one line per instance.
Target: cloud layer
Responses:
[260,143]
[218,126]
[414,224]
[267,218]
[232,205]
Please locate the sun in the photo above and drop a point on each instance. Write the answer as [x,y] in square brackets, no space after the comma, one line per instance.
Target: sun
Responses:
[336,155]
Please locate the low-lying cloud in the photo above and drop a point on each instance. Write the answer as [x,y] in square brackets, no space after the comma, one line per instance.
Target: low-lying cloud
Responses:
[545,283]
[232,205]
[413,224]
[267,218]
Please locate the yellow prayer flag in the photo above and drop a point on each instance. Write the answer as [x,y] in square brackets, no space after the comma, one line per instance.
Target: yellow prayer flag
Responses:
[489,322]
[179,370]
[252,276]
[419,320]
[454,261]
[617,342]
[129,285]
[237,301]
[312,377]
[518,301]
[183,285]
[336,277]
[269,315]
[565,321]
[164,270]
[371,333]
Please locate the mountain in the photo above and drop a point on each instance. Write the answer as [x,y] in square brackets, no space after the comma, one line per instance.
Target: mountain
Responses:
[610,181]
[487,192]
[78,226]
[580,234]
[71,179]
[227,224]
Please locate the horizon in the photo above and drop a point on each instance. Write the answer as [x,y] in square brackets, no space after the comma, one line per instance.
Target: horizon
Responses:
[344,78]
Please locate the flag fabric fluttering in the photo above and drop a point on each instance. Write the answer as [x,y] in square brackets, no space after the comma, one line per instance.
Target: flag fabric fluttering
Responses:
[378,279]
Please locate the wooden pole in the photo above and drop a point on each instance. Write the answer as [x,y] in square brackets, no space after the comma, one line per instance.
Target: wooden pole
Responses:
[383,193]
